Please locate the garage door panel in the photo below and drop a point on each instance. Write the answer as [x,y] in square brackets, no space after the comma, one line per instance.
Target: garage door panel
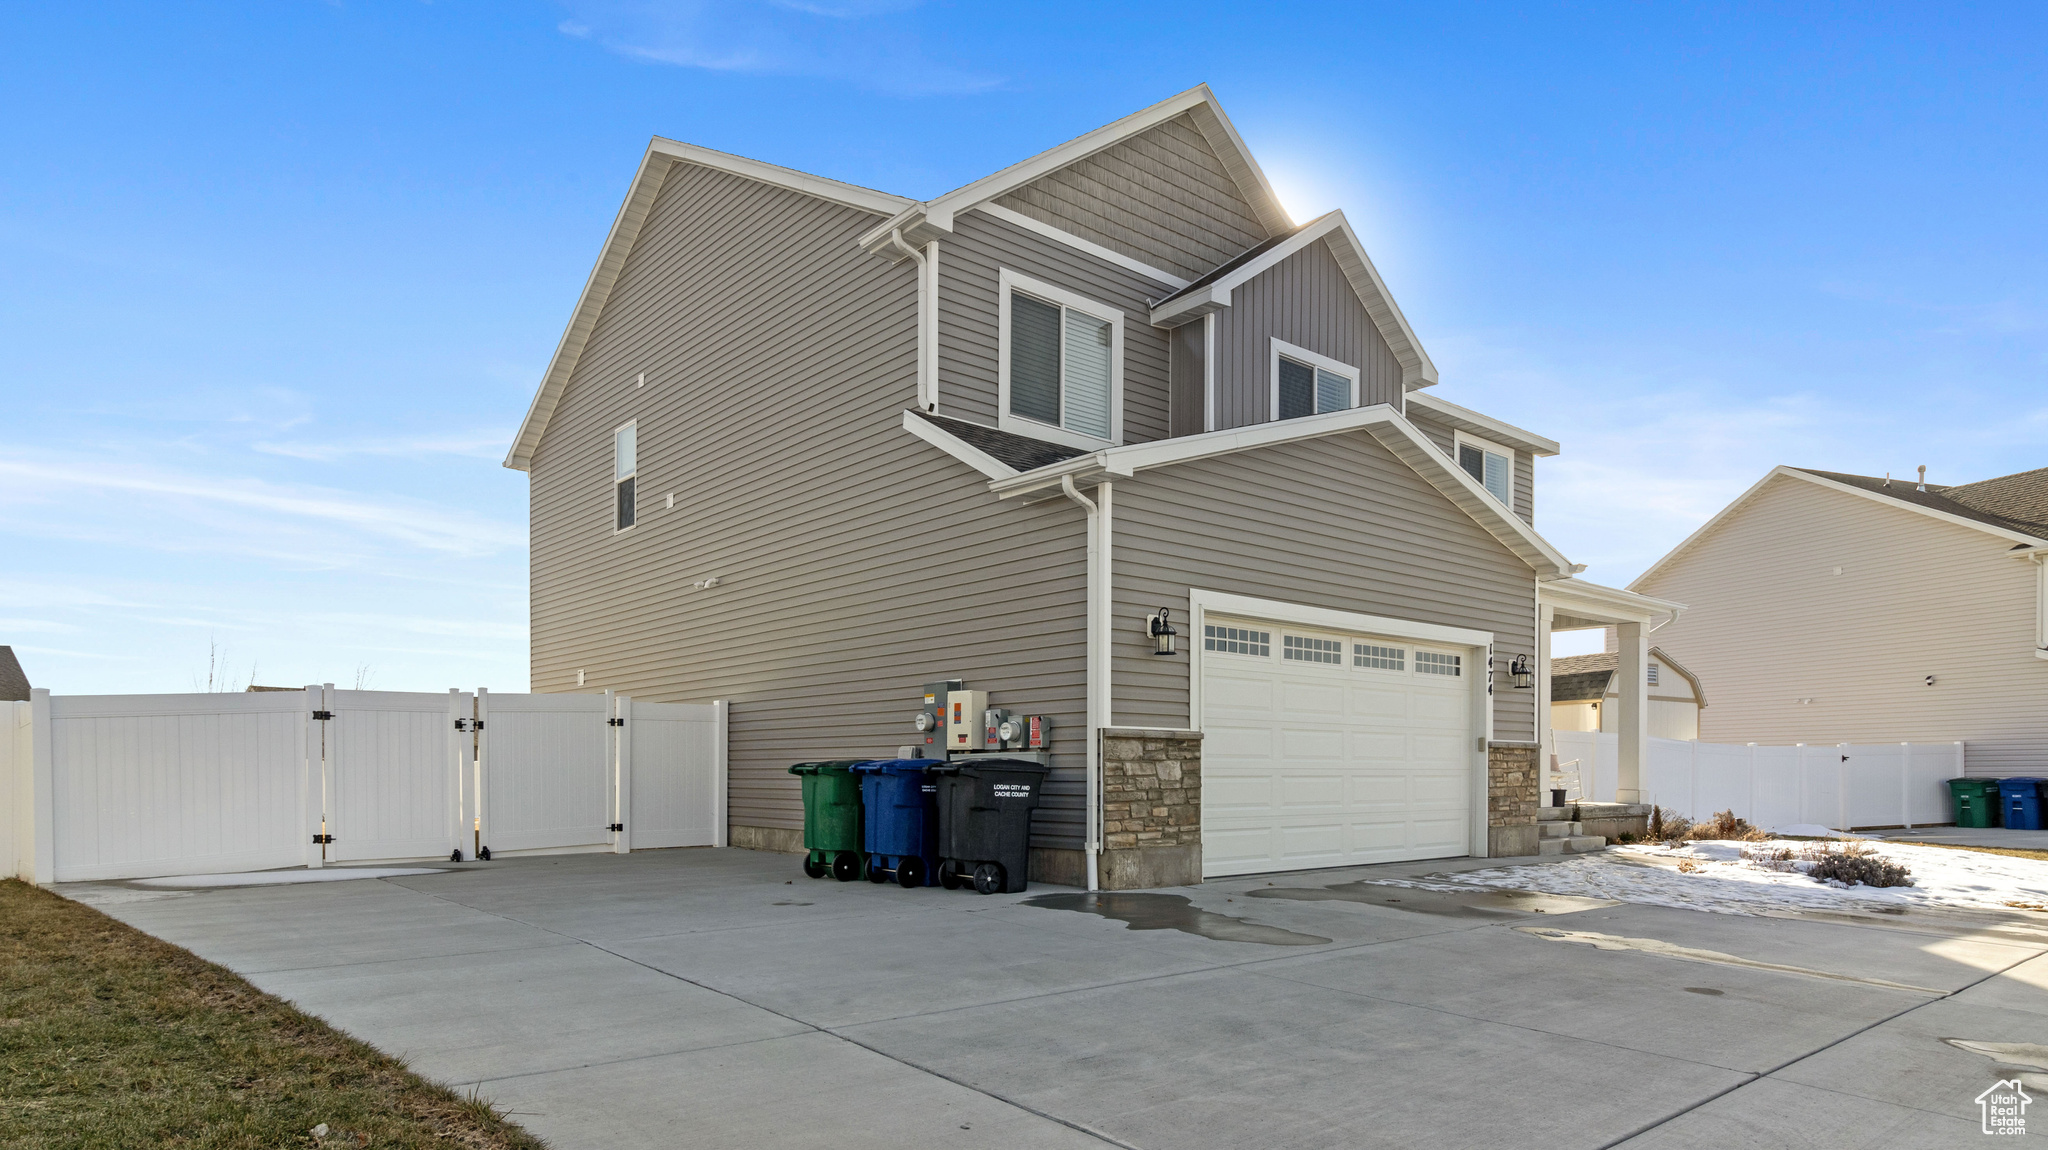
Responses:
[1311,765]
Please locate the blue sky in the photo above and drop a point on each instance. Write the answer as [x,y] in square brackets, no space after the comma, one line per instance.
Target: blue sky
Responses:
[277,280]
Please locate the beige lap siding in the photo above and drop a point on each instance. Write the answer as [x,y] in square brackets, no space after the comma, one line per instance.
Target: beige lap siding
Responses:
[1338,523]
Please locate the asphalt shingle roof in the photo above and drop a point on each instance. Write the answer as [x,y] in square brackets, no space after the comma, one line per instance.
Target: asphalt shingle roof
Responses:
[13,682]
[2017,502]
[1019,451]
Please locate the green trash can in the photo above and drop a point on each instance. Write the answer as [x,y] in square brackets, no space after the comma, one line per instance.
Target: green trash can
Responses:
[833,819]
[1976,802]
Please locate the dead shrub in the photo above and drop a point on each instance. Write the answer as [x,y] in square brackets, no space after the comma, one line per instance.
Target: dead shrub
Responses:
[1668,826]
[1690,866]
[1725,825]
[1853,863]
[1770,858]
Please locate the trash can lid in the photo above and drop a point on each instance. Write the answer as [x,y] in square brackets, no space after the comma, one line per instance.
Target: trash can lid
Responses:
[834,765]
[893,766]
[990,763]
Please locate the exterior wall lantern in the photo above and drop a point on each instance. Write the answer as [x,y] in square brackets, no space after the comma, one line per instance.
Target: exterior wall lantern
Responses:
[1520,673]
[1162,632]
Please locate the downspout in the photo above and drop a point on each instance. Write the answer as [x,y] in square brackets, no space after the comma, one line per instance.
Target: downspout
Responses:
[927,321]
[1098,664]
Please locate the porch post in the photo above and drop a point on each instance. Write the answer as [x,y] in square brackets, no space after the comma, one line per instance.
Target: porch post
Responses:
[1632,711]
[1546,617]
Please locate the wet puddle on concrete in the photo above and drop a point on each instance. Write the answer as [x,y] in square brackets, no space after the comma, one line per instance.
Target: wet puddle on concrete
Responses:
[1173,912]
[1475,903]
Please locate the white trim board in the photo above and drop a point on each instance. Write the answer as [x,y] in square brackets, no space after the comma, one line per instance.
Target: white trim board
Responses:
[1784,472]
[1106,255]
[956,447]
[1456,417]
[1007,282]
[1417,370]
[1277,347]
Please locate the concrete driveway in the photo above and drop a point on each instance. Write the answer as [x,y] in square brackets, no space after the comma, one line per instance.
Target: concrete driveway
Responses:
[715,998]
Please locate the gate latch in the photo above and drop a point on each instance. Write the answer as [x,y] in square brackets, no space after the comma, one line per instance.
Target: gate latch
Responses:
[323,839]
[469,724]
[616,827]
[322,716]
[615,722]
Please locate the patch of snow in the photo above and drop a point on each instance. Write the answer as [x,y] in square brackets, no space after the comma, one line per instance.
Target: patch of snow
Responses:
[1724,882]
[1815,831]
[279,877]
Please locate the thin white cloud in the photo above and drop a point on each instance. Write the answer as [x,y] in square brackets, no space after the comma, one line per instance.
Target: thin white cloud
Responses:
[474,445]
[866,43]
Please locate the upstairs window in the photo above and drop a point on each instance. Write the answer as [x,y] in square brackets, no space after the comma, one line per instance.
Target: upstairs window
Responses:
[625,464]
[1061,365]
[1305,383]
[1491,464]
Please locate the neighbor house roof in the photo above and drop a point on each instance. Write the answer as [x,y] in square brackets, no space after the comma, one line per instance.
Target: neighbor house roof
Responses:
[1586,678]
[13,682]
[2011,507]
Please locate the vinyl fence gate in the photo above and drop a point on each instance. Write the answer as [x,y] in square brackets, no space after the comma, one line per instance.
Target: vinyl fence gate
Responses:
[100,787]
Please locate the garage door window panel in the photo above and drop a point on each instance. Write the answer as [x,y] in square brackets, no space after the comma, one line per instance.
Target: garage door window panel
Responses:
[1237,641]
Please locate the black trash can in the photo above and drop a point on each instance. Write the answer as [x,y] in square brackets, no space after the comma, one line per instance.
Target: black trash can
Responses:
[985,810]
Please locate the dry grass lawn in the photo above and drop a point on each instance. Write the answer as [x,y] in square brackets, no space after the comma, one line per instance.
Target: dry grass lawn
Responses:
[112,1038]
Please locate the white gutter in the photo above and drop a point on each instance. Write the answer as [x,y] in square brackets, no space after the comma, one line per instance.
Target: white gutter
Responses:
[1098,511]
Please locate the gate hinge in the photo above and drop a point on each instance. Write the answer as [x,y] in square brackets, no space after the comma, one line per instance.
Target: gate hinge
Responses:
[615,722]
[323,716]
[616,827]
[323,839]
[469,724]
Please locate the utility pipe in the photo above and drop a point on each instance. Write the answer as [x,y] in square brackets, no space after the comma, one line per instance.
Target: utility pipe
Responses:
[1098,657]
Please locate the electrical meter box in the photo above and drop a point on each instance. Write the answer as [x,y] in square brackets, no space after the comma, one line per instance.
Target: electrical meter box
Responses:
[931,717]
[964,729]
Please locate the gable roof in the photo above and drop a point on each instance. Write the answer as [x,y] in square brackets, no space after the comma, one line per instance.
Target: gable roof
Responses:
[1013,451]
[929,220]
[1974,505]
[661,157]
[1585,678]
[1211,292]
[13,681]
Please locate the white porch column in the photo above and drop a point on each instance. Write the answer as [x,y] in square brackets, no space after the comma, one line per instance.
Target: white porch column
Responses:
[1546,617]
[1632,711]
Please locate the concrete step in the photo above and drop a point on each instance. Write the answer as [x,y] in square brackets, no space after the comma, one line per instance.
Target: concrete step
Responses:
[1550,846]
[1585,844]
[1560,830]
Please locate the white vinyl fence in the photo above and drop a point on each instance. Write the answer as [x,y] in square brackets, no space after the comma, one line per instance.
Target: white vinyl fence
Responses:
[1838,785]
[136,786]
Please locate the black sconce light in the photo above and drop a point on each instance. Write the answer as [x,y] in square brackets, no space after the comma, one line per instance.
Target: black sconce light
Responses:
[1519,671]
[1162,632]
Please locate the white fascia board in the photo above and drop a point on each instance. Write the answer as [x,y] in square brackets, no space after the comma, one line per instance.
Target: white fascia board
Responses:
[1107,255]
[1194,305]
[938,213]
[1607,604]
[1507,433]
[1246,606]
[852,195]
[1415,449]
[1785,472]
[1217,291]
[1417,369]
[956,447]
[655,164]
[611,259]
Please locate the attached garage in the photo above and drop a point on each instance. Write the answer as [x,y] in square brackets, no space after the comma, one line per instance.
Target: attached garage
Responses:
[1329,744]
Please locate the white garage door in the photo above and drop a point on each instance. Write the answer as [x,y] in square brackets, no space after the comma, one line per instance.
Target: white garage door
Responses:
[1331,749]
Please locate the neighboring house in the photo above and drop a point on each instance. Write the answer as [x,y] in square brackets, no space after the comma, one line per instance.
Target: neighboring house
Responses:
[1843,608]
[1585,696]
[13,682]
[806,446]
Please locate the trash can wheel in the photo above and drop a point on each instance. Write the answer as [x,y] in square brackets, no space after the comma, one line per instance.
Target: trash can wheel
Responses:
[813,868]
[988,878]
[910,872]
[846,867]
[949,875]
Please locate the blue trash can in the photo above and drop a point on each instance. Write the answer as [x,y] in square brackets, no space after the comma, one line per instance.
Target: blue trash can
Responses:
[2020,800]
[902,821]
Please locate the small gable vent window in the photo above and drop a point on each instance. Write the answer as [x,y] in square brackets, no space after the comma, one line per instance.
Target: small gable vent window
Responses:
[1653,674]
[1062,365]
[1491,464]
[1305,383]
[1438,663]
[625,464]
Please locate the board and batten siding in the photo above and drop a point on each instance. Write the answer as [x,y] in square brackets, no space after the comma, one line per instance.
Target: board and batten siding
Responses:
[1304,300]
[854,561]
[1768,623]
[970,264]
[1161,197]
[1338,523]
[1446,440]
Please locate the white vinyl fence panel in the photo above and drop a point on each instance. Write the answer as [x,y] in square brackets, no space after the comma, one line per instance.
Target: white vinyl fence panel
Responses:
[102,787]
[146,785]
[1841,786]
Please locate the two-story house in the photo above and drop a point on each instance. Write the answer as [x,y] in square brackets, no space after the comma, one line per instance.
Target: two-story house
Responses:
[806,446]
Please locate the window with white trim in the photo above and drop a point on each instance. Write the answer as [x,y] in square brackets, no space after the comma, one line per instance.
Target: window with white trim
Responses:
[1061,364]
[1439,663]
[1237,640]
[1304,649]
[1305,383]
[1378,657]
[1491,464]
[625,465]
